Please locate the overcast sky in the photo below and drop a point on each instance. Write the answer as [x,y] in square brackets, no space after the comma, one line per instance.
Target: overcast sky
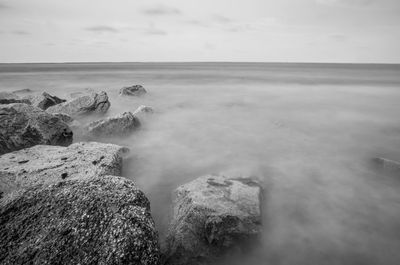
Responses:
[200,30]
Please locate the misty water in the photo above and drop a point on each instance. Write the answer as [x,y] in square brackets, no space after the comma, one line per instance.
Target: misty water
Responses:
[307,132]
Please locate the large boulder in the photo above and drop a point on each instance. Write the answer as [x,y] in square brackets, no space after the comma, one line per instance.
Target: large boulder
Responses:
[102,220]
[213,216]
[122,124]
[93,102]
[45,100]
[387,165]
[9,98]
[45,164]
[23,126]
[135,90]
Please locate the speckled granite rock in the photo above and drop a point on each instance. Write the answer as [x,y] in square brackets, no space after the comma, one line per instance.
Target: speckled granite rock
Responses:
[102,220]
[93,102]
[23,126]
[135,90]
[213,215]
[44,100]
[44,164]
[122,124]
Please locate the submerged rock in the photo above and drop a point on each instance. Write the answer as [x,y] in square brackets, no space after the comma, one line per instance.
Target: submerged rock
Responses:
[44,164]
[102,220]
[23,126]
[9,98]
[143,109]
[93,102]
[45,100]
[213,215]
[387,165]
[135,90]
[119,125]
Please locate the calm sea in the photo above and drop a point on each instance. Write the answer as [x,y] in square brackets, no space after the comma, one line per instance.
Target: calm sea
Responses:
[308,132]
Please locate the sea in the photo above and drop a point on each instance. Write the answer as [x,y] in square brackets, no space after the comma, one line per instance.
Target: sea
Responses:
[308,132]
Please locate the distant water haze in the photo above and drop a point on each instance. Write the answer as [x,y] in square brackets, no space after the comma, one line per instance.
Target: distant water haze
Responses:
[307,131]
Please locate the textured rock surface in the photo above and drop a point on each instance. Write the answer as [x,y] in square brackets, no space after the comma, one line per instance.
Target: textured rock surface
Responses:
[143,109]
[45,100]
[64,117]
[44,164]
[135,90]
[9,98]
[119,125]
[23,126]
[387,165]
[213,215]
[103,220]
[93,102]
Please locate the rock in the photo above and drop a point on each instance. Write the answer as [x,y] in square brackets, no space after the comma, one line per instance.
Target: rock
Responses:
[64,117]
[9,98]
[135,90]
[45,100]
[102,220]
[122,124]
[93,102]
[213,215]
[45,164]
[143,109]
[387,165]
[23,126]
[23,91]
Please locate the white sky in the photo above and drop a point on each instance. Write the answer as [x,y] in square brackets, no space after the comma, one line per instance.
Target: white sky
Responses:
[362,31]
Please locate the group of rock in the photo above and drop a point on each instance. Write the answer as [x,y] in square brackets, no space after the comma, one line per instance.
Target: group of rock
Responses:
[67,203]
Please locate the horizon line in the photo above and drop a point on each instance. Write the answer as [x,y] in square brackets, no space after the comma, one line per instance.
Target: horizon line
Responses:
[177,62]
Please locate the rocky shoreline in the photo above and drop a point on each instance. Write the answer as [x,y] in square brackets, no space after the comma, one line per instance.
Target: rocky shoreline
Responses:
[68,203]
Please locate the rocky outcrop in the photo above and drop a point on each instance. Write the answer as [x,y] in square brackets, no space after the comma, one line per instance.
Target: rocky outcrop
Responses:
[387,165]
[23,126]
[135,90]
[122,124]
[45,100]
[93,102]
[102,220]
[45,164]
[213,215]
[9,98]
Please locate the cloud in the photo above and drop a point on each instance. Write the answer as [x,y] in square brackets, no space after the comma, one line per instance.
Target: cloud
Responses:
[222,19]
[3,6]
[153,31]
[345,2]
[20,32]
[102,29]
[338,37]
[161,10]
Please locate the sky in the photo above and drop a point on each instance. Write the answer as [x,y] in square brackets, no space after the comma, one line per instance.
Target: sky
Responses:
[354,31]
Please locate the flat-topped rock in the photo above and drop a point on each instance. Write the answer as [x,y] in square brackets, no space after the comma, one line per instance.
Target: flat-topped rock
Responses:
[212,216]
[44,164]
[135,90]
[101,220]
[23,126]
[44,100]
[122,124]
[9,98]
[90,103]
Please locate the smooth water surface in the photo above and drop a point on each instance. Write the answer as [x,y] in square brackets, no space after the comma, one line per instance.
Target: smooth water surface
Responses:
[307,131]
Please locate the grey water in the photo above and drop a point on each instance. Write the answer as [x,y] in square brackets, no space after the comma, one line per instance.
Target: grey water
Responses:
[308,132]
